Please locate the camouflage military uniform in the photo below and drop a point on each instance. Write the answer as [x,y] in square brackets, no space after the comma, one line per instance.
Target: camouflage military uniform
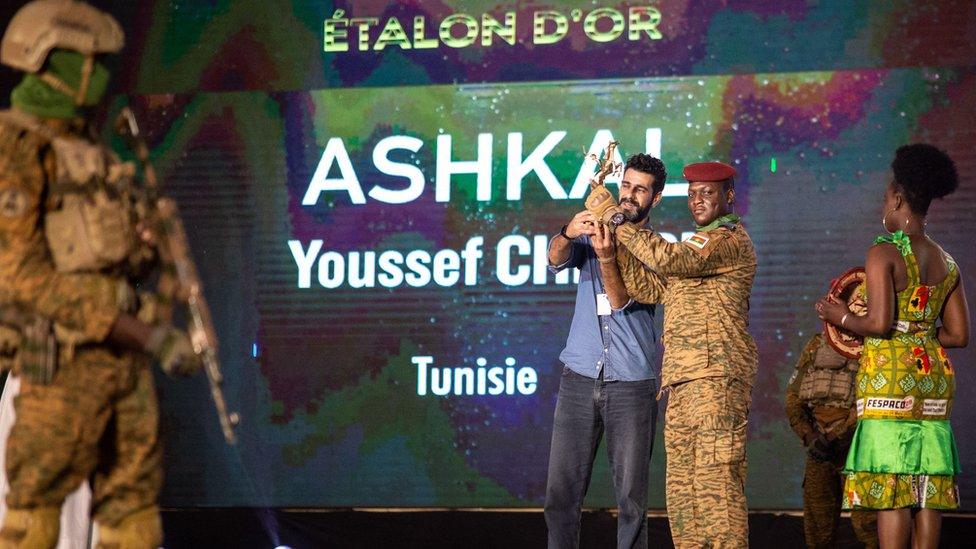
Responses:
[813,408]
[709,367]
[97,417]
[68,247]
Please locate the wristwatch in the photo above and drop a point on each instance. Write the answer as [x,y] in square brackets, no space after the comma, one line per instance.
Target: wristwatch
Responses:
[617,219]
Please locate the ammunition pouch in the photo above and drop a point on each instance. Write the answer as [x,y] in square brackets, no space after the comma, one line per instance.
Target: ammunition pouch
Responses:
[828,359]
[829,381]
[39,353]
[28,347]
[88,234]
[125,300]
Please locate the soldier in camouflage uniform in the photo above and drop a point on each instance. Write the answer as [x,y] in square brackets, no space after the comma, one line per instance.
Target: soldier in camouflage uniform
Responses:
[68,249]
[820,407]
[710,359]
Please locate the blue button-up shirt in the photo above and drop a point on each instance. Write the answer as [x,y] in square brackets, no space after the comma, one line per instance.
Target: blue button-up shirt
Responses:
[622,343]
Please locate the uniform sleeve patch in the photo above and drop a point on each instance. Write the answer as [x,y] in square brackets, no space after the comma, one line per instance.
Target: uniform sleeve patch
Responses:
[698,240]
[13,203]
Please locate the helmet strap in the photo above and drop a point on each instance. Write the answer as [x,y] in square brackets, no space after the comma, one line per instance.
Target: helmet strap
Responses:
[86,72]
[78,95]
[51,80]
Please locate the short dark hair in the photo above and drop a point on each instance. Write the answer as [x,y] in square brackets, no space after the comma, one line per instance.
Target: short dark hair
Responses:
[646,163]
[923,172]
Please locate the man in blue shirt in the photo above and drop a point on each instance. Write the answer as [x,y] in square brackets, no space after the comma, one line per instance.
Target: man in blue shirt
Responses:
[608,384]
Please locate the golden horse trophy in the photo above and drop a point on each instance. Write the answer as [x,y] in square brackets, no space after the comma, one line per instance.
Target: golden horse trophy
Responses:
[605,164]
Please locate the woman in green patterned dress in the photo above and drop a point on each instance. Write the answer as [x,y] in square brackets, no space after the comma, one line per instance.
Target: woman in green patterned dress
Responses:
[903,458]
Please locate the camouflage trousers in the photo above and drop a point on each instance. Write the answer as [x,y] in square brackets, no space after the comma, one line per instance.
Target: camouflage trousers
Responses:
[705,441]
[97,421]
[823,485]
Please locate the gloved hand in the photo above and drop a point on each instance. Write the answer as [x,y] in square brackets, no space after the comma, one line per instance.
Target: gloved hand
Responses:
[601,203]
[821,448]
[150,304]
[174,352]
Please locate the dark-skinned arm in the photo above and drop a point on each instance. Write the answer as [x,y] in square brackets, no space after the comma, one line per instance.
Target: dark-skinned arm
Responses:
[954,331]
[130,333]
[879,269]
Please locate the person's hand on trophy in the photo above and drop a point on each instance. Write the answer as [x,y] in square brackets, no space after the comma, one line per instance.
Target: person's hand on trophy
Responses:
[583,223]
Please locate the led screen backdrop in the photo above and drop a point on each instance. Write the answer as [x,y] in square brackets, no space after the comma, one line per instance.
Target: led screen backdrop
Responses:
[371,223]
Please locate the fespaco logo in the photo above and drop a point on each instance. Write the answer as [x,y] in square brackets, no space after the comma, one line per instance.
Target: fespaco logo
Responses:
[890,404]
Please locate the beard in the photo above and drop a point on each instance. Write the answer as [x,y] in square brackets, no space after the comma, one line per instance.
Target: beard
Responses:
[637,213]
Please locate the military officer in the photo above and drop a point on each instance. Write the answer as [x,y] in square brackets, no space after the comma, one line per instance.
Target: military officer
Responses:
[710,359]
[68,251]
[821,411]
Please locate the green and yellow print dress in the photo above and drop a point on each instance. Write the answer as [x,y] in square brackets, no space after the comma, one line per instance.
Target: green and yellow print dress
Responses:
[903,453]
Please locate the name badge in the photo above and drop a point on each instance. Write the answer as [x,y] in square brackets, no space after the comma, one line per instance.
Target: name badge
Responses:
[603,305]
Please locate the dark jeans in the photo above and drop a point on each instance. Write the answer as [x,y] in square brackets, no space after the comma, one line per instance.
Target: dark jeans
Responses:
[585,408]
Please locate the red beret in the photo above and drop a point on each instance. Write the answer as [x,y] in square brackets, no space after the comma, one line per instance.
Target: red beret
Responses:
[708,171]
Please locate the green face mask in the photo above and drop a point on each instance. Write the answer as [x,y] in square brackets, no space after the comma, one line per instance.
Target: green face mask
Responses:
[35,96]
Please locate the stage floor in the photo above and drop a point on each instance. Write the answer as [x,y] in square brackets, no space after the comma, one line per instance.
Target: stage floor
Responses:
[466,529]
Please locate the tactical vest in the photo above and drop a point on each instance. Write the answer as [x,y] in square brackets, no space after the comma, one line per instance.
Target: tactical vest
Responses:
[89,219]
[829,380]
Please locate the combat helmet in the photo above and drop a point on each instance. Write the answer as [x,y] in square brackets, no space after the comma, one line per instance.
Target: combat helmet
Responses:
[44,25]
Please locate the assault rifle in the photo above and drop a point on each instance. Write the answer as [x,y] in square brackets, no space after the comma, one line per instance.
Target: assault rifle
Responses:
[169,238]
